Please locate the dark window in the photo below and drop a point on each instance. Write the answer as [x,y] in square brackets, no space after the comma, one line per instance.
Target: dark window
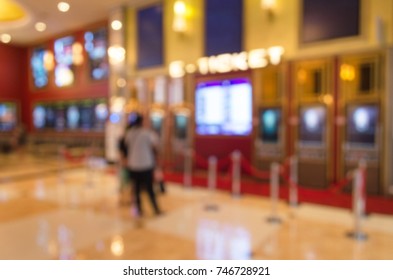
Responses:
[366,79]
[150,36]
[324,20]
[223,26]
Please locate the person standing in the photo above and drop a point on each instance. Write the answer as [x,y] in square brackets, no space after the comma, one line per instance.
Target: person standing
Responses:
[142,146]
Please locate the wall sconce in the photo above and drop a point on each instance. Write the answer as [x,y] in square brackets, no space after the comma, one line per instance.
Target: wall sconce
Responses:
[302,76]
[347,72]
[269,6]
[179,16]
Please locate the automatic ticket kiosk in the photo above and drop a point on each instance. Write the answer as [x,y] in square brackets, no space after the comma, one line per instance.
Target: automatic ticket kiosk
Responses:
[158,114]
[270,132]
[180,134]
[361,85]
[311,120]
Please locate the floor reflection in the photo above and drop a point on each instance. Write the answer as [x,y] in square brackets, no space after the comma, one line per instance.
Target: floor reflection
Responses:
[75,213]
[217,241]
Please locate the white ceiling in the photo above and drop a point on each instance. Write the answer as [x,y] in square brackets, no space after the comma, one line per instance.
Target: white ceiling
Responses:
[81,13]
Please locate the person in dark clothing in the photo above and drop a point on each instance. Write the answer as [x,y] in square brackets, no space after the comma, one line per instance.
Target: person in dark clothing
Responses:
[142,147]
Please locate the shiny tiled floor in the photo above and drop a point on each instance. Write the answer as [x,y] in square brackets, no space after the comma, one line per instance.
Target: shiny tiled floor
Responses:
[55,210]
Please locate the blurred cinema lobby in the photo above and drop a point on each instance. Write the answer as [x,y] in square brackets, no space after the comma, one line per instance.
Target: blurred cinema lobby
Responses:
[274,120]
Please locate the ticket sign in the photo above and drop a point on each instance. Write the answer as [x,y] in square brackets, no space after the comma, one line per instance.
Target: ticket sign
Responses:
[227,62]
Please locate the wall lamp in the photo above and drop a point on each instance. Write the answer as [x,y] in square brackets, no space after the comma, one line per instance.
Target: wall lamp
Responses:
[270,7]
[179,16]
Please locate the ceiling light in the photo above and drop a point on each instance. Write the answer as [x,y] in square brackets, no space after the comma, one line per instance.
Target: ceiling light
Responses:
[63,7]
[40,26]
[11,11]
[5,38]
[116,25]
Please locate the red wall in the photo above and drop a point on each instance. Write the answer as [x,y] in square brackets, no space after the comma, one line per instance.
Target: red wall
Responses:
[16,81]
[13,78]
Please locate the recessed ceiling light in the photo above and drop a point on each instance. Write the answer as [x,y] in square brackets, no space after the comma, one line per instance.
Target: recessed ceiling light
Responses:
[5,38]
[40,26]
[63,7]
[116,25]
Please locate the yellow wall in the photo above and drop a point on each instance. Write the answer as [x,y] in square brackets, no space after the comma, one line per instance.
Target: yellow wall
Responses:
[260,31]
[188,46]
[283,29]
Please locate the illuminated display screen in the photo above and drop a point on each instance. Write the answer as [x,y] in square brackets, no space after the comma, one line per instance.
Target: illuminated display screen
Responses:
[64,72]
[39,116]
[73,116]
[50,116]
[8,117]
[269,125]
[96,44]
[156,121]
[312,124]
[60,117]
[181,124]
[224,107]
[83,115]
[86,110]
[37,63]
[362,123]
[100,114]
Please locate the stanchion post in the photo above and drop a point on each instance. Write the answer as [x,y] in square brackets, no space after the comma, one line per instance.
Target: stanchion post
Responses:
[236,157]
[358,201]
[274,192]
[187,179]
[212,176]
[212,183]
[293,179]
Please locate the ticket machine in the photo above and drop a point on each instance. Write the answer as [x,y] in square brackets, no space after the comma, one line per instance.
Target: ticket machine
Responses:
[179,122]
[158,112]
[312,122]
[180,134]
[270,130]
[361,79]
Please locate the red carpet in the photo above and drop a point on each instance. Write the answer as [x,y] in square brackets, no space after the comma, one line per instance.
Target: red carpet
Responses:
[374,204]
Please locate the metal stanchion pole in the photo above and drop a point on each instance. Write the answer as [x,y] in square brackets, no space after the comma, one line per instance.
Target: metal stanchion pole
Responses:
[187,179]
[358,201]
[236,157]
[212,176]
[212,183]
[293,179]
[274,192]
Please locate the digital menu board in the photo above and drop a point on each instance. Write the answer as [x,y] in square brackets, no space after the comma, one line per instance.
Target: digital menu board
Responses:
[224,107]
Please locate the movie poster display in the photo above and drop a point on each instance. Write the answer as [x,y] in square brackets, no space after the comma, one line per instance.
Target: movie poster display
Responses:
[362,124]
[312,125]
[8,117]
[269,125]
